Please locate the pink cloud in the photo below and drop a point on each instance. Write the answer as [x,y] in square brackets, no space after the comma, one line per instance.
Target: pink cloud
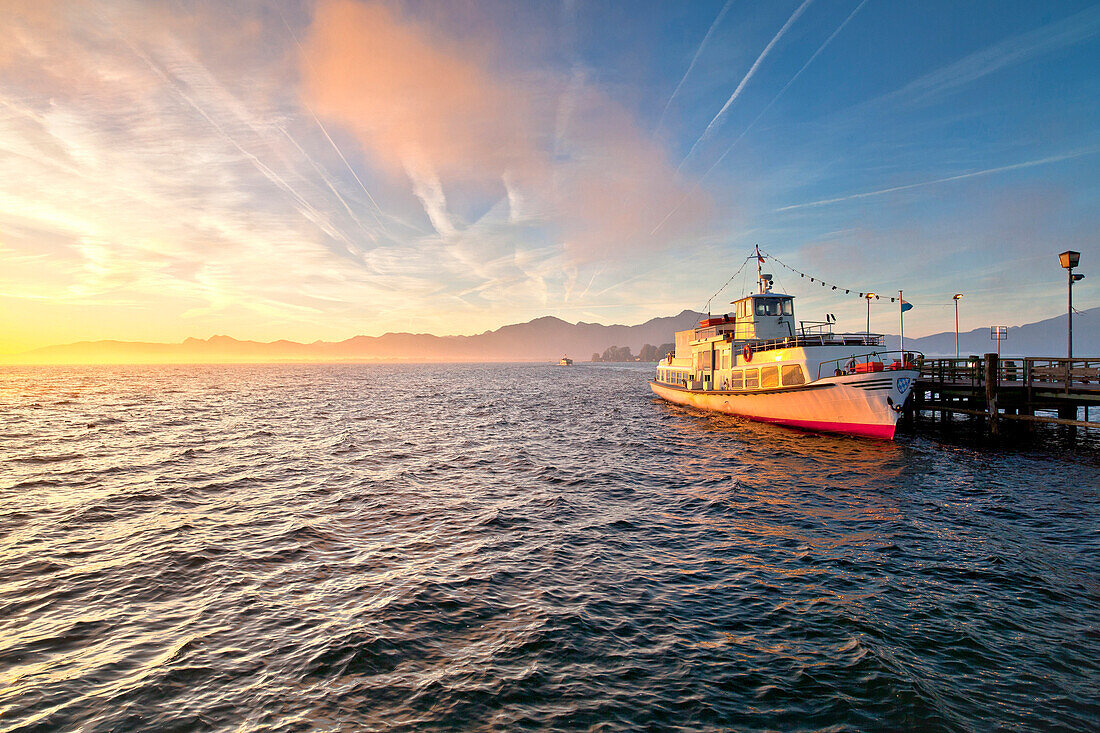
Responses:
[428,106]
[411,99]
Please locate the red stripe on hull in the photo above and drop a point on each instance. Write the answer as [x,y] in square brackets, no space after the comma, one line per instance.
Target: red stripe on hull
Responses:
[881,432]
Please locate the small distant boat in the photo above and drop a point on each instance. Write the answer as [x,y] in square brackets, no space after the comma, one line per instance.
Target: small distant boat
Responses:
[565,361]
[756,364]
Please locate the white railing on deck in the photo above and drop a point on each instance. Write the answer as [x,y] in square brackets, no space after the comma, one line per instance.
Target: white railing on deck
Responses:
[793,342]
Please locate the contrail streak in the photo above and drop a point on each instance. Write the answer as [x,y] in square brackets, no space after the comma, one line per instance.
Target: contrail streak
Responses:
[786,86]
[306,209]
[619,284]
[193,67]
[694,59]
[752,124]
[948,179]
[328,182]
[748,76]
[328,137]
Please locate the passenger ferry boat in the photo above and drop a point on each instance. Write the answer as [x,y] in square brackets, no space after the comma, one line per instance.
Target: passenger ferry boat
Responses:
[565,361]
[755,363]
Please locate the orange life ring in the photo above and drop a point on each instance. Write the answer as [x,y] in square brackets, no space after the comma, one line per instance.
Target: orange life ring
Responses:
[746,353]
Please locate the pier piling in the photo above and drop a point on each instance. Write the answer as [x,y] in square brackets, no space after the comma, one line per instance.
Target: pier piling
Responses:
[990,376]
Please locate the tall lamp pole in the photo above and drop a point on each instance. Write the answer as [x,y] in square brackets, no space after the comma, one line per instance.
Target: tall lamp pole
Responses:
[1069,260]
[869,296]
[956,297]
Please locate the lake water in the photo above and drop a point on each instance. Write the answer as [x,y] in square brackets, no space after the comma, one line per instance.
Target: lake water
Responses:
[506,547]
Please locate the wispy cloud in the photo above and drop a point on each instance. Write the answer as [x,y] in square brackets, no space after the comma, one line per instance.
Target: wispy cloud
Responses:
[155,180]
[1011,51]
[947,179]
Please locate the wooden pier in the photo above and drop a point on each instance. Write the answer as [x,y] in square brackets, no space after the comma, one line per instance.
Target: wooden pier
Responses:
[1023,389]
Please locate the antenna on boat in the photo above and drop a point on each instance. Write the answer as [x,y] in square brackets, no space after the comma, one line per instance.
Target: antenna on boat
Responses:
[765,280]
[759,268]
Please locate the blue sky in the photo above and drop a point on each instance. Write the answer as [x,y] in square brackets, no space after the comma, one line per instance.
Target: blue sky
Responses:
[317,170]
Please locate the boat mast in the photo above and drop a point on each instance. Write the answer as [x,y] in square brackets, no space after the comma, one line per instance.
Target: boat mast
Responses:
[759,270]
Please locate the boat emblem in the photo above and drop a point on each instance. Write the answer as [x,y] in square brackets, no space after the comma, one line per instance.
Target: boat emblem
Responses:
[903,384]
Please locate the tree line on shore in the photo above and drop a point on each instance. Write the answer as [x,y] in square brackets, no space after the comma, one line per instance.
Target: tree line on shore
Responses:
[649,352]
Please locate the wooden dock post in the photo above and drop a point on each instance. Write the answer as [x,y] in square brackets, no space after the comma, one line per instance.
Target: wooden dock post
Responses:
[991,370]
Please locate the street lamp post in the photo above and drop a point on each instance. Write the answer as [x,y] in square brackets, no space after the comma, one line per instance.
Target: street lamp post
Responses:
[956,298]
[1069,260]
[869,296]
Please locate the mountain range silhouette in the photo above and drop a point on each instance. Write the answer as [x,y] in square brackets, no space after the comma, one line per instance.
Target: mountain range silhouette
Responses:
[542,339]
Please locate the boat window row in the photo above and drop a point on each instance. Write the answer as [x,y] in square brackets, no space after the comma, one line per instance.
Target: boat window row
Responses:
[671,376]
[774,307]
[765,307]
[767,377]
[788,375]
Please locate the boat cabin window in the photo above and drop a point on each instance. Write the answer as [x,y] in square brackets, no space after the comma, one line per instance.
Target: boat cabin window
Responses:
[792,375]
[752,378]
[774,307]
[737,379]
[769,377]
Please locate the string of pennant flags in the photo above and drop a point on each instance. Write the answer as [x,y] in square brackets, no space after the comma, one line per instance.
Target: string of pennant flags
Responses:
[719,290]
[905,305]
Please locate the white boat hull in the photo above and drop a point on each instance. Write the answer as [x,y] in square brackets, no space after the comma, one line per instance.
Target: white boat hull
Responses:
[860,404]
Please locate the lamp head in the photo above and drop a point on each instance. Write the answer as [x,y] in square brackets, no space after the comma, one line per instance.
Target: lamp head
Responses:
[956,296]
[1069,258]
[870,295]
[1077,276]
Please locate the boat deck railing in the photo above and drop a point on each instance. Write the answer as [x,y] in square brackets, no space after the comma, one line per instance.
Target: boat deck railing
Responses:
[793,342]
[877,361]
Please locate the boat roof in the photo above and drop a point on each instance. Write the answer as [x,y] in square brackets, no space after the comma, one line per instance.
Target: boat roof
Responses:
[763,295]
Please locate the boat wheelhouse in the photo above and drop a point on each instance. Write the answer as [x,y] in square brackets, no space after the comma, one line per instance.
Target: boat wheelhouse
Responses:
[759,362]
